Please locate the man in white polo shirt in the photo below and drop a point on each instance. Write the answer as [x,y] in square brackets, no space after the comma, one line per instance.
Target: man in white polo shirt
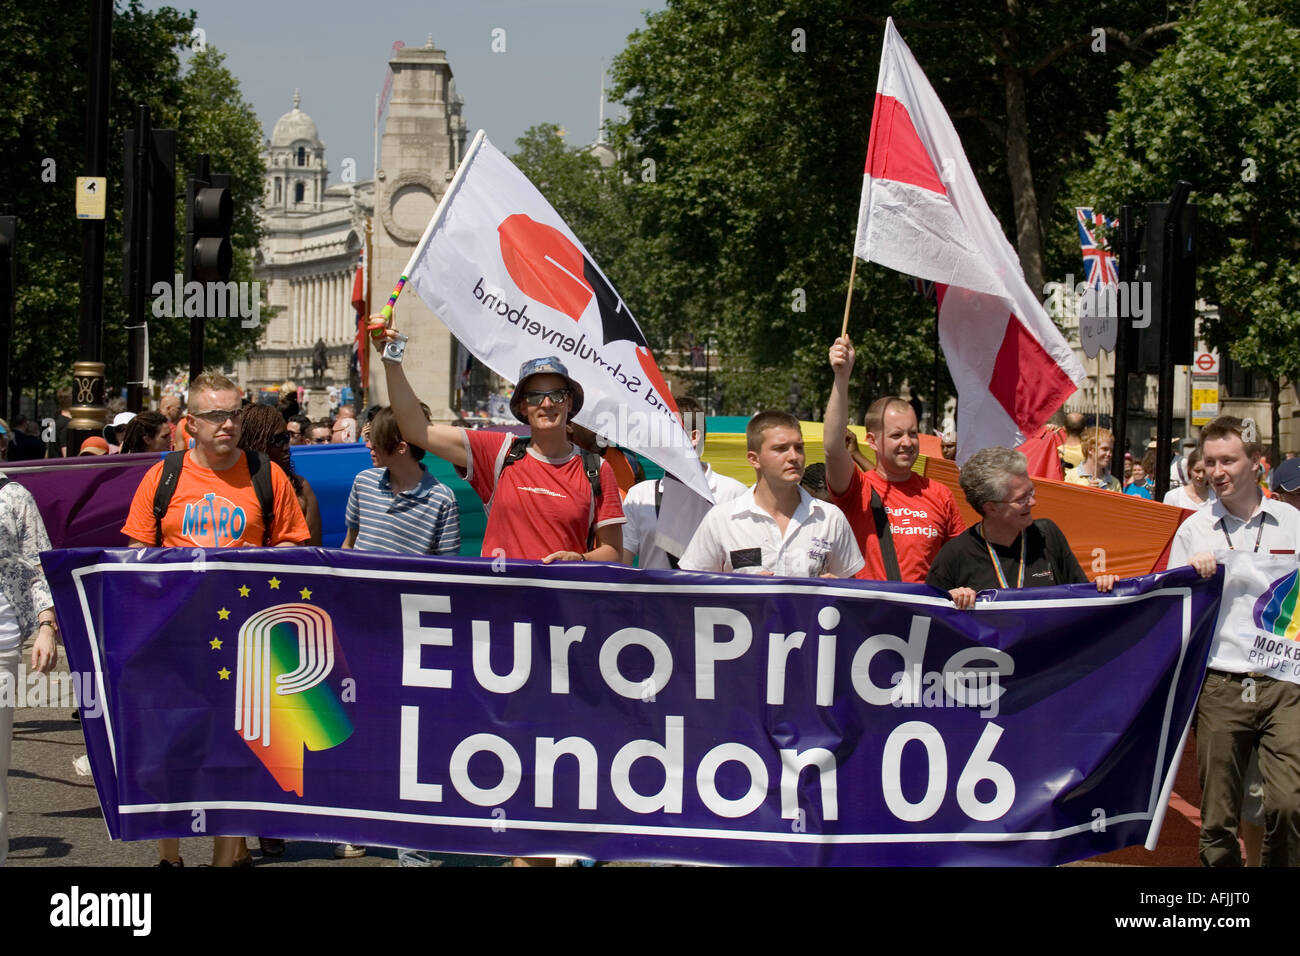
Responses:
[776,527]
[1238,711]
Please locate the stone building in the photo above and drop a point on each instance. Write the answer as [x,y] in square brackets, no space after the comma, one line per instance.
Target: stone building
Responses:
[313,236]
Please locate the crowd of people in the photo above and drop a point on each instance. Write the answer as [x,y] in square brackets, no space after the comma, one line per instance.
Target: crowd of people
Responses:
[553,495]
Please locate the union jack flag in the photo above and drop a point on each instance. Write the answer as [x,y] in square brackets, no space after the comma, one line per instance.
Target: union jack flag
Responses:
[1099,263]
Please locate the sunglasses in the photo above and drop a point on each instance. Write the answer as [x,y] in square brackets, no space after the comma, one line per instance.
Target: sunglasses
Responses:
[281,440]
[218,416]
[318,441]
[556,395]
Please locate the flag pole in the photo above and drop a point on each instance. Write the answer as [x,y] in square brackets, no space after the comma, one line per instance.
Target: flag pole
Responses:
[387,311]
[848,300]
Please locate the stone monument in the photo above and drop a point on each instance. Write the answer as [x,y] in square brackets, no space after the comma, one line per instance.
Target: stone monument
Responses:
[424,138]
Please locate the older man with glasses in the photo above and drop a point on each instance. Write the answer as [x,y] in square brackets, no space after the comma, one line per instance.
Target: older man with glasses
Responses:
[1008,548]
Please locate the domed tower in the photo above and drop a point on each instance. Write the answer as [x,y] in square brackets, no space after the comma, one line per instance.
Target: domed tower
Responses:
[296,173]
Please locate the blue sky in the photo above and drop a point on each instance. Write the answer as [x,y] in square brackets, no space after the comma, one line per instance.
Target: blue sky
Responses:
[336,54]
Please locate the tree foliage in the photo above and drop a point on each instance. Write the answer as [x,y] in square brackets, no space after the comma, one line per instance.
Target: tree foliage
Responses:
[43,150]
[755,118]
[1218,109]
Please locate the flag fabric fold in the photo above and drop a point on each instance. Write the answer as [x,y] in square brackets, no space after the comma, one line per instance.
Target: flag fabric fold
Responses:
[512,282]
[923,214]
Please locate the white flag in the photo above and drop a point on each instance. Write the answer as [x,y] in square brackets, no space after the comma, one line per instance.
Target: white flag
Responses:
[512,282]
[923,214]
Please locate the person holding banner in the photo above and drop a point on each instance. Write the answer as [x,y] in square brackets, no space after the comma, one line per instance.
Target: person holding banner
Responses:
[1239,709]
[215,501]
[541,491]
[1008,548]
[901,519]
[776,527]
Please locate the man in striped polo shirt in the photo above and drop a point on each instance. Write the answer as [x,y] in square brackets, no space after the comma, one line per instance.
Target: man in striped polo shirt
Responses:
[397,506]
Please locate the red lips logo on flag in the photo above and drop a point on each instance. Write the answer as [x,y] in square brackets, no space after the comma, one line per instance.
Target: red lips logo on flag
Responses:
[549,268]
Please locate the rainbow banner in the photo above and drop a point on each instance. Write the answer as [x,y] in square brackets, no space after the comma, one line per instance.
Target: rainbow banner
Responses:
[514,709]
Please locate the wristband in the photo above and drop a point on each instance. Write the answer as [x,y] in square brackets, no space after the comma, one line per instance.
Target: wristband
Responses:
[582,556]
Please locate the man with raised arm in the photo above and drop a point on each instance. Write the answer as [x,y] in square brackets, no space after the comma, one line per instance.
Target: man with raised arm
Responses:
[1239,711]
[900,518]
[546,500]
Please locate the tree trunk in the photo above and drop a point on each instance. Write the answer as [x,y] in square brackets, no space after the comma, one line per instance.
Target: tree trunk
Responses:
[1029,237]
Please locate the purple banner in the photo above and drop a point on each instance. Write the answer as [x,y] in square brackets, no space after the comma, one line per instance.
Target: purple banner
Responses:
[507,708]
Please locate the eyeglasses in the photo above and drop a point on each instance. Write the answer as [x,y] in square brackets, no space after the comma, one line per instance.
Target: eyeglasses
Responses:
[281,440]
[1018,502]
[218,416]
[556,395]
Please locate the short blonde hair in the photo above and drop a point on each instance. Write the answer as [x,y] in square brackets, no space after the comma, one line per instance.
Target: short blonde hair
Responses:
[1093,437]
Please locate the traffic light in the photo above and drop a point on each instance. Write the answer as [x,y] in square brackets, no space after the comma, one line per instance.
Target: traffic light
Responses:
[1144,353]
[160,209]
[209,212]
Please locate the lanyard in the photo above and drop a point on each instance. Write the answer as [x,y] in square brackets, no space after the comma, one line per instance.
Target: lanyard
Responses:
[1223,526]
[997,566]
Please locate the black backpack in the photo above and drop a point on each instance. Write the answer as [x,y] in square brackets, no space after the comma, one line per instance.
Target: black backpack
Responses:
[259,470]
[591,463]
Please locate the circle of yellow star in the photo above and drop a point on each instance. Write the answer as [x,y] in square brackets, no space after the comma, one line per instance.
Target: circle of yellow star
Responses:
[223,674]
[243,590]
[275,583]
[215,643]
[305,594]
[223,614]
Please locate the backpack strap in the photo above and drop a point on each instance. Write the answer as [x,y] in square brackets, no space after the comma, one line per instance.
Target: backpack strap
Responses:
[259,470]
[881,520]
[591,463]
[162,496]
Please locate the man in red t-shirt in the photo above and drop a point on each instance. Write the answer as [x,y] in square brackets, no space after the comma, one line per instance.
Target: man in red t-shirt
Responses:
[214,506]
[541,506]
[921,513]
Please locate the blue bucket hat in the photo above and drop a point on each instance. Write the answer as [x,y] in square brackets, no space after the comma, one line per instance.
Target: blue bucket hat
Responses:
[543,366]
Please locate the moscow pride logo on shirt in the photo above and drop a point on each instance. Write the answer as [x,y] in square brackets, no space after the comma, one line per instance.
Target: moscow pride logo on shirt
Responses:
[1275,611]
[213,522]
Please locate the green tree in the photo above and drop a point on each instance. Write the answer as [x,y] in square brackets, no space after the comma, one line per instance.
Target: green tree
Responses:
[42,151]
[755,117]
[1218,109]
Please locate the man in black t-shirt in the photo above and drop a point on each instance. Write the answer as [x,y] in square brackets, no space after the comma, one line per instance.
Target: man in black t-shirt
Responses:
[1008,548]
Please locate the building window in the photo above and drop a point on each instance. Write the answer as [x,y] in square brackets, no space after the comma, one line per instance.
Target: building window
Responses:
[1243,382]
[297,192]
[277,192]
[302,156]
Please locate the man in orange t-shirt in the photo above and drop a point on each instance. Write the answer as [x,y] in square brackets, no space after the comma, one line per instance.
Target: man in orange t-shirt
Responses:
[921,513]
[215,506]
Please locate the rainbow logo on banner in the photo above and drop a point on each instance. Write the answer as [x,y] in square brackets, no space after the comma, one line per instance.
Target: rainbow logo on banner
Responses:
[290,684]
[1275,611]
